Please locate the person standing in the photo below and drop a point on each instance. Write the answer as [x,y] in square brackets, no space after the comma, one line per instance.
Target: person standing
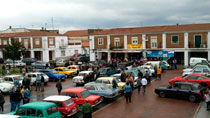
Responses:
[159,71]
[22,92]
[114,83]
[147,76]
[155,69]
[175,62]
[2,101]
[3,70]
[144,84]
[38,82]
[11,100]
[87,110]
[16,83]
[27,95]
[139,84]
[140,74]
[59,86]
[26,82]
[8,70]
[128,92]
[42,82]
[123,77]
[207,99]
[131,80]
[16,98]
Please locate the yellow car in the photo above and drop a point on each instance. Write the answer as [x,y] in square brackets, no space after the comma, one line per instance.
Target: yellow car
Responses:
[64,70]
[74,68]
[108,81]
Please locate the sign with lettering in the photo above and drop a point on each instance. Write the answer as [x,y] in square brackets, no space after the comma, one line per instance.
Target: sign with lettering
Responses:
[135,46]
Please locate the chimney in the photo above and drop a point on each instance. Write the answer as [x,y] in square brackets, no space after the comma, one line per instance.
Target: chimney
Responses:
[42,29]
[10,27]
[177,24]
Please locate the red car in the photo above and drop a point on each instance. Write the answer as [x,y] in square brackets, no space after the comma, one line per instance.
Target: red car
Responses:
[198,78]
[66,105]
[79,95]
[75,56]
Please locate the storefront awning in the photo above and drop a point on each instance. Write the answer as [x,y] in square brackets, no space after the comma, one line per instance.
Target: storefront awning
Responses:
[125,51]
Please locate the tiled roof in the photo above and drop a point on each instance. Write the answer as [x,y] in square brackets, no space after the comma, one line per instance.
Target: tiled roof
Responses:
[156,29]
[31,33]
[75,33]
[85,44]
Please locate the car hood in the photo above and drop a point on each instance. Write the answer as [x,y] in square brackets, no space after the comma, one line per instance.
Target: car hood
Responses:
[6,84]
[78,77]
[92,98]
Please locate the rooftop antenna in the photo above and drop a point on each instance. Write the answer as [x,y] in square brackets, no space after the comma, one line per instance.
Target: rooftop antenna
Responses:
[45,26]
[52,23]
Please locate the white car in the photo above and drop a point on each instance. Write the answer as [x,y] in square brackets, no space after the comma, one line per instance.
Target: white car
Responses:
[5,87]
[200,69]
[80,78]
[17,63]
[33,76]
[150,67]
[8,116]
[11,78]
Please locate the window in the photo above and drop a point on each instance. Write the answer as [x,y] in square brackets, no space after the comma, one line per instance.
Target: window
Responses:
[106,81]
[26,43]
[85,94]
[59,104]
[51,42]
[75,51]
[117,42]
[153,42]
[63,53]
[31,112]
[206,70]
[100,41]
[73,95]
[185,87]
[174,39]
[21,112]
[37,42]
[5,42]
[134,40]
[90,87]
[192,77]
[39,113]
[52,110]
[69,102]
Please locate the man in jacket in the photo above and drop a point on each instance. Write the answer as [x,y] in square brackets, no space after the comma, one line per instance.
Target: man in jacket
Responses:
[59,86]
[87,110]
[38,82]
[42,82]
[16,98]
[114,83]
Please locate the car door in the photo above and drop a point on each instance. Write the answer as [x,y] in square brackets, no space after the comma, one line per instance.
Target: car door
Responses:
[184,90]
[192,79]
[172,90]
[75,97]
[107,82]
[91,89]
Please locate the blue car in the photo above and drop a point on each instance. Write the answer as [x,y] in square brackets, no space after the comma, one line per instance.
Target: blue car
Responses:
[102,90]
[53,75]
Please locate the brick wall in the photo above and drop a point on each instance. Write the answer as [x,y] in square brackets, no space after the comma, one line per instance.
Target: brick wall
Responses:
[121,41]
[159,40]
[34,42]
[191,37]
[180,43]
[104,46]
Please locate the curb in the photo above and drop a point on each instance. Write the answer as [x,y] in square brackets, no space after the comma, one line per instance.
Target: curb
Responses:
[197,110]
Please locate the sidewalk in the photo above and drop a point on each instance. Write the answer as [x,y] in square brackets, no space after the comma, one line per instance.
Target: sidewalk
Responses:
[201,111]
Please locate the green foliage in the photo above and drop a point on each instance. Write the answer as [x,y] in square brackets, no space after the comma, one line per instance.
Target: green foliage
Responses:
[14,50]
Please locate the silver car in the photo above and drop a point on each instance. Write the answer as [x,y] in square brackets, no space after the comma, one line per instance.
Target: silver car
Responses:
[200,69]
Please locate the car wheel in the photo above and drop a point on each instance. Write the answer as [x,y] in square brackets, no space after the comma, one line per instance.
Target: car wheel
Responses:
[162,94]
[192,98]
[63,115]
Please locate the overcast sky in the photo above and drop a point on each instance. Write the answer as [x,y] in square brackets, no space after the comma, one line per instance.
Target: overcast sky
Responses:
[84,14]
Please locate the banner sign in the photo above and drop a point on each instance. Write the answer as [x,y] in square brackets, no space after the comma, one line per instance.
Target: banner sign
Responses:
[160,53]
[135,46]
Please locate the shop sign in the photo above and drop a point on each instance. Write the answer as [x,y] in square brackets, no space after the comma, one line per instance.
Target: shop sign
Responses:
[135,46]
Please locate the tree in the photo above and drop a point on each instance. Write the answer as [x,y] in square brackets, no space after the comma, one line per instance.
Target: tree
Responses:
[14,51]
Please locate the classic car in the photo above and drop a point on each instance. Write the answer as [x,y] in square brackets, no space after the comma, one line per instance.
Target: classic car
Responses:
[150,67]
[5,87]
[66,71]
[80,78]
[65,105]
[108,81]
[83,58]
[200,69]
[11,78]
[37,110]
[79,95]
[102,90]
[184,90]
[107,71]
[53,75]
[72,58]
[33,76]
[74,68]
[61,62]
[15,63]
[197,78]
[28,61]
[8,116]
[39,64]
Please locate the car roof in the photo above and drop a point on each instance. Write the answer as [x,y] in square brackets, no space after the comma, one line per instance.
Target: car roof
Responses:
[102,78]
[38,105]
[60,67]
[94,83]
[74,90]
[46,70]
[12,75]
[58,98]
[85,71]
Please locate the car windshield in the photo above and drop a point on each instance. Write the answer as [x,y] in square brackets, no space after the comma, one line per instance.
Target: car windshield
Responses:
[81,74]
[54,72]
[102,70]
[59,61]
[104,87]
[98,81]
[85,94]
[69,102]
